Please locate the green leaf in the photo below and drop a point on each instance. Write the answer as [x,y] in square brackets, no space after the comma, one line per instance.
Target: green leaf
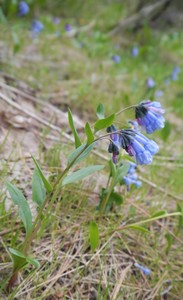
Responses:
[139,228]
[165,132]
[104,123]
[159,213]
[38,188]
[76,152]
[80,174]
[94,236]
[121,172]
[89,134]
[33,261]
[74,131]
[46,183]
[19,259]
[112,167]
[23,207]
[115,197]
[100,111]
[179,209]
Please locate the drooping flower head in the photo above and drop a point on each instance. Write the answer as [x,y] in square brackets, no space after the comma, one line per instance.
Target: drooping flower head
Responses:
[23,8]
[115,145]
[135,51]
[116,58]
[149,116]
[150,83]
[138,146]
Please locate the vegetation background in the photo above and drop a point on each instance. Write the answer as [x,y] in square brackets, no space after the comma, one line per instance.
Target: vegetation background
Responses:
[40,78]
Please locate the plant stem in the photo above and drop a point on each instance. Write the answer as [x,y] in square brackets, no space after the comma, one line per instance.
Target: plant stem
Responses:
[106,199]
[122,110]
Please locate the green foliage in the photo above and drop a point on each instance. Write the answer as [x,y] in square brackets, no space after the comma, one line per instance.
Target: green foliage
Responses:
[100,111]
[78,150]
[38,188]
[46,183]
[20,260]
[81,174]
[94,235]
[23,207]
[104,123]
[74,131]
[165,132]
[89,134]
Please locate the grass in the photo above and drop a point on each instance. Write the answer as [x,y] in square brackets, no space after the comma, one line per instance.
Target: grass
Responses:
[80,78]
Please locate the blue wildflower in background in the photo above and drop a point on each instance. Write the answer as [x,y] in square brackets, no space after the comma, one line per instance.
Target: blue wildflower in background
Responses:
[145,270]
[131,177]
[149,116]
[116,58]
[23,8]
[150,83]
[37,27]
[115,145]
[56,20]
[68,27]
[135,51]
[174,75]
[159,93]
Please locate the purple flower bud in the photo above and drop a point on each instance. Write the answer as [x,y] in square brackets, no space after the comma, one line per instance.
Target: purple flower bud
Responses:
[116,59]
[150,83]
[115,144]
[135,51]
[149,116]
[145,270]
[23,8]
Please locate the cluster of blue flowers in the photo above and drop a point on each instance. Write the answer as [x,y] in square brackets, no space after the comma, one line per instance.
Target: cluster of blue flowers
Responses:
[149,117]
[132,177]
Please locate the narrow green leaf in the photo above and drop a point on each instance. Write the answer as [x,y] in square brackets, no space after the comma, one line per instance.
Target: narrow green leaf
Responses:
[89,134]
[46,183]
[169,239]
[139,228]
[38,188]
[94,236]
[74,131]
[33,262]
[19,259]
[75,153]
[23,207]
[159,213]
[100,111]
[179,209]
[104,123]
[81,174]
[112,167]
[115,197]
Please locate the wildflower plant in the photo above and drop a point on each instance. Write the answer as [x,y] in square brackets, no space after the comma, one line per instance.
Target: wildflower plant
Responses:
[45,193]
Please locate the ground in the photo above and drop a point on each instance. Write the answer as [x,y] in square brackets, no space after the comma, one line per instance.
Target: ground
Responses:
[39,80]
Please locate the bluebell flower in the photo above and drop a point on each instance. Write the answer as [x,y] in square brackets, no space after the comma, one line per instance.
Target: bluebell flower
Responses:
[23,8]
[131,177]
[145,270]
[115,144]
[68,27]
[174,76]
[116,58]
[149,116]
[150,83]
[159,94]
[37,27]
[135,51]
[56,20]
[134,124]
[176,70]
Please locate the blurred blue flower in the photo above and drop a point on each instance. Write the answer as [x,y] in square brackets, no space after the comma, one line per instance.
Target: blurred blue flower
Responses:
[176,70]
[145,270]
[68,27]
[150,83]
[174,76]
[131,177]
[23,8]
[167,81]
[149,116]
[116,58]
[135,51]
[159,93]
[37,27]
[56,20]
